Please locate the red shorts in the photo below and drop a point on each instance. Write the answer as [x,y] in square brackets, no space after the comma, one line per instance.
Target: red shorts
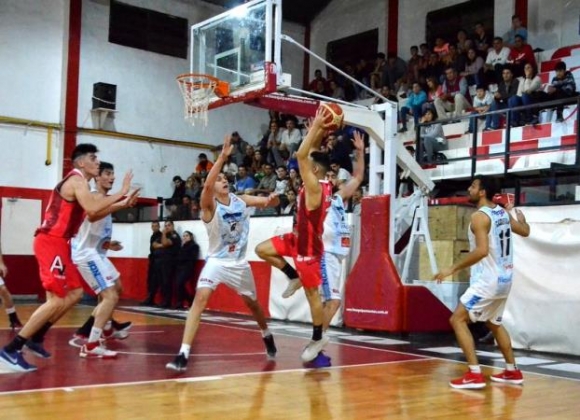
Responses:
[308,267]
[58,274]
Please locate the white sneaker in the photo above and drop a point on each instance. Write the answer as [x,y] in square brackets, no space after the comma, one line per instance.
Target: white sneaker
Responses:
[98,352]
[313,348]
[293,285]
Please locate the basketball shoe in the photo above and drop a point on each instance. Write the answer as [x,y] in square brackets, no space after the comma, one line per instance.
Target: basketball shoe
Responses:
[469,381]
[97,351]
[271,349]
[16,361]
[509,376]
[293,285]
[179,364]
[313,348]
[37,349]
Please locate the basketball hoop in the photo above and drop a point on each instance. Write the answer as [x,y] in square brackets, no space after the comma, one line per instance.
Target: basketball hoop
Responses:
[197,91]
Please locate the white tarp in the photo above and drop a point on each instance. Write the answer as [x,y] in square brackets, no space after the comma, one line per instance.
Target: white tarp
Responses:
[543,309]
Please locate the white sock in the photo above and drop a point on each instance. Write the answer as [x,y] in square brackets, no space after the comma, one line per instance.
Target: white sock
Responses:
[185,350]
[11,310]
[95,334]
[475,368]
[108,326]
[266,332]
[509,366]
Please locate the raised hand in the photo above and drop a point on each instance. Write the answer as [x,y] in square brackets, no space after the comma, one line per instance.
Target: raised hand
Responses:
[358,141]
[127,182]
[228,147]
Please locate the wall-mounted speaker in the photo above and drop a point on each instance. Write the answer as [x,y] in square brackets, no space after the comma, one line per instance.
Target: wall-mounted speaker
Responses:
[104,95]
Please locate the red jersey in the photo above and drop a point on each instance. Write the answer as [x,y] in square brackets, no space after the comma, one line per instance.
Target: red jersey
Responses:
[310,224]
[62,218]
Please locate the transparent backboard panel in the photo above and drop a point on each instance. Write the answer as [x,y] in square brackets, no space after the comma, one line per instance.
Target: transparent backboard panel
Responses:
[235,45]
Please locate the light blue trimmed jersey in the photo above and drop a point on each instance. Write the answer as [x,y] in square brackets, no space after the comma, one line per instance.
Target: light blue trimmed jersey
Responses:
[228,229]
[336,236]
[492,276]
[92,237]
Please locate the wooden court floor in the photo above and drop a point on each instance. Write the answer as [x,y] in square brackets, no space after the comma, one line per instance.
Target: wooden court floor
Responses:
[229,377]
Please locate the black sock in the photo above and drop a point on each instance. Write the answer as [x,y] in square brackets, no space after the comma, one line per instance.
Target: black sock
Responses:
[316,332]
[86,328]
[115,324]
[38,337]
[13,317]
[289,271]
[16,344]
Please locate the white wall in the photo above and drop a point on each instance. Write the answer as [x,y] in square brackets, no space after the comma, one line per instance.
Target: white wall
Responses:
[31,47]
[343,18]
[554,23]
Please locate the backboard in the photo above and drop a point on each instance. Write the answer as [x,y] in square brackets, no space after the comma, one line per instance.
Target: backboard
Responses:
[241,47]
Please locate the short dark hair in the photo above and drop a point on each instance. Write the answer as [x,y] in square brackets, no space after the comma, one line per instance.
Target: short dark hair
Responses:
[202,155]
[381,55]
[105,166]
[322,159]
[177,178]
[560,66]
[83,149]
[490,185]
[480,86]
[498,38]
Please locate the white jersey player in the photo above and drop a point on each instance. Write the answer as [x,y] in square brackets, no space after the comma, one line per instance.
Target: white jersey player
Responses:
[89,248]
[491,262]
[337,234]
[226,219]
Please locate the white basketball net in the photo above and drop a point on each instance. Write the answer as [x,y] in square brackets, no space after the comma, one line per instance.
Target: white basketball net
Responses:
[196,92]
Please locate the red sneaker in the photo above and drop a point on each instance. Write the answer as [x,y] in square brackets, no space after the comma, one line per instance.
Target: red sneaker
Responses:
[469,381]
[509,376]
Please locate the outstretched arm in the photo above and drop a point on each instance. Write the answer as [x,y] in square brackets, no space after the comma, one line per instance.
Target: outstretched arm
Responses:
[347,189]
[207,200]
[271,200]
[89,202]
[311,142]
[518,224]
[129,201]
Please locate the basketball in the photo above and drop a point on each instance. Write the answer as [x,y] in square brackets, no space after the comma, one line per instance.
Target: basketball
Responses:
[333,116]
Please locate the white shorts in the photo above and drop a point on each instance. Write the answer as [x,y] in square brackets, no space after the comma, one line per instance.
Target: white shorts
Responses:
[1,282]
[332,285]
[236,274]
[483,309]
[98,272]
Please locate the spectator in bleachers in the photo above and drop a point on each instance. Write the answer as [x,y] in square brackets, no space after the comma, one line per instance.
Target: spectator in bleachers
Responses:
[388,93]
[361,71]
[434,67]
[455,95]
[336,91]
[505,97]
[239,148]
[563,86]
[295,180]
[230,168]
[282,180]
[473,68]
[203,165]
[441,47]
[351,90]
[267,183]
[516,30]
[454,59]
[289,206]
[270,144]
[257,162]
[244,183]
[176,197]
[413,65]
[482,40]
[481,104]
[520,54]
[314,85]
[529,92]
[424,50]
[341,174]
[379,77]
[192,187]
[291,137]
[356,201]
[434,91]
[463,42]
[432,137]
[249,157]
[414,106]
[496,60]
[394,71]
[339,149]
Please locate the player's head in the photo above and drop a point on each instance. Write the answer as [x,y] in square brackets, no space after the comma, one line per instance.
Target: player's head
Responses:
[320,164]
[221,185]
[84,157]
[106,176]
[482,188]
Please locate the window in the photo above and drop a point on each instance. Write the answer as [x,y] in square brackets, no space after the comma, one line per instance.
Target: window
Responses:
[148,30]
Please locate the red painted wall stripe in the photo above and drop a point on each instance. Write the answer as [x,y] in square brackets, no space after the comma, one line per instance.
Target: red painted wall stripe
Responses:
[72,82]
[521,9]
[393,27]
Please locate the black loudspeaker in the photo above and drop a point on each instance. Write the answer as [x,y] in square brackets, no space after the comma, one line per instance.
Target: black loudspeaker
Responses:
[104,95]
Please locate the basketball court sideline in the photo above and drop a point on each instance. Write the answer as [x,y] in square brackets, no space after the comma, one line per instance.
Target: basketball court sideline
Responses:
[229,374]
